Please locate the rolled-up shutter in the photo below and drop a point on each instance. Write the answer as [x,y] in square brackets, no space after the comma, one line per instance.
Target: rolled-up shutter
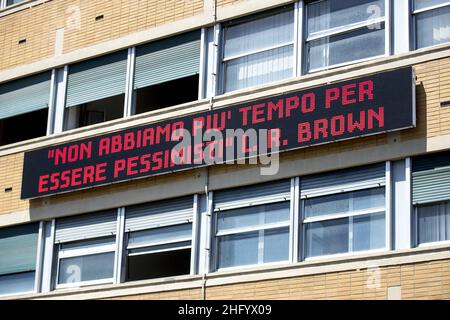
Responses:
[18,247]
[97,79]
[169,59]
[89,226]
[343,181]
[431,178]
[159,214]
[253,195]
[25,95]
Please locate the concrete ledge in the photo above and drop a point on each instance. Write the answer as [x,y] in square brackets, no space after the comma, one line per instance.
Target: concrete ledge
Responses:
[305,268]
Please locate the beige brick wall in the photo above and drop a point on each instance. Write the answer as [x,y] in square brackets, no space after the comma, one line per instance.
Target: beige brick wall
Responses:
[427,280]
[433,87]
[38,25]
[11,177]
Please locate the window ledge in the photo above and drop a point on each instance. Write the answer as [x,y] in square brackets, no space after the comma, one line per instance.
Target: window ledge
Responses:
[252,274]
[20,6]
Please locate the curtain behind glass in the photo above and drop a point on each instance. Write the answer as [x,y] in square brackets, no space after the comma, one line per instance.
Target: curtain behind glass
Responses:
[253,60]
[434,222]
[433,27]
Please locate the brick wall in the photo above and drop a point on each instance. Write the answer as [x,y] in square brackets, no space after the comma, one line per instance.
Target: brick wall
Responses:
[427,280]
[38,25]
[11,177]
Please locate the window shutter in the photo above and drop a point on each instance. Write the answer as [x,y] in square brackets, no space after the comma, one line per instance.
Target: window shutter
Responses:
[431,178]
[159,214]
[343,181]
[89,226]
[18,248]
[167,60]
[97,79]
[25,95]
[252,195]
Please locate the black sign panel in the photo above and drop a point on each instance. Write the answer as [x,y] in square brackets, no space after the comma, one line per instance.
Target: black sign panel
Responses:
[369,105]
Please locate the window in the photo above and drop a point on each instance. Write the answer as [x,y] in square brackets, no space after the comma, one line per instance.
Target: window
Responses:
[18,250]
[431,196]
[340,32]
[159,239]
[252,225]
[11,2]
[345,222]
[7,3]
[24,108]
[432,22]
[96,90]
[343,211]
[433,222]
[258,51]
[86,249]
[167,72]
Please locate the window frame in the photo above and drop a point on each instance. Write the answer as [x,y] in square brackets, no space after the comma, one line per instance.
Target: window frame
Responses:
[416,227]
[414,14]
[82,252]
[254,17]
[215,235]
[37,270]
[350,215]
[386,20]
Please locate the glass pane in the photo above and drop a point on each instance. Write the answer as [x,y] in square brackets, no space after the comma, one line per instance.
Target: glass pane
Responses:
[433,27]
[259,34]
[276,245]
[86,268]
[329,14]
[85,244]
[253,216]
[368,232]
[161,247]
[369,198]
[327,237]
[171,233]
[18,248]
[254,247]
[260,68]
[434,222]
[356,45]
[17,283]
[421,4]
[345,202]
[11,2]
[336,203]
[238,250]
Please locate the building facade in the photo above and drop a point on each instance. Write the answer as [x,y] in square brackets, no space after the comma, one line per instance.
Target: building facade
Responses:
[365,216]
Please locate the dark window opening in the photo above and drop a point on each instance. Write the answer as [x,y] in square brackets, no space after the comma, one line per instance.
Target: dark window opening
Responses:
[94,112]
[157,265]
[167,94]
[23,127]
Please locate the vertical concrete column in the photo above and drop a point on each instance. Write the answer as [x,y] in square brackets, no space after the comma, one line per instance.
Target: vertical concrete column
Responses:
[402,207]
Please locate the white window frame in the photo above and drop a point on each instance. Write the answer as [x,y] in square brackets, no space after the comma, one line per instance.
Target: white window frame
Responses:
[222,60]
[259,227]
[414,13]
[416,227]
[386,19]
[181,241]
[81,252]
[349,214]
